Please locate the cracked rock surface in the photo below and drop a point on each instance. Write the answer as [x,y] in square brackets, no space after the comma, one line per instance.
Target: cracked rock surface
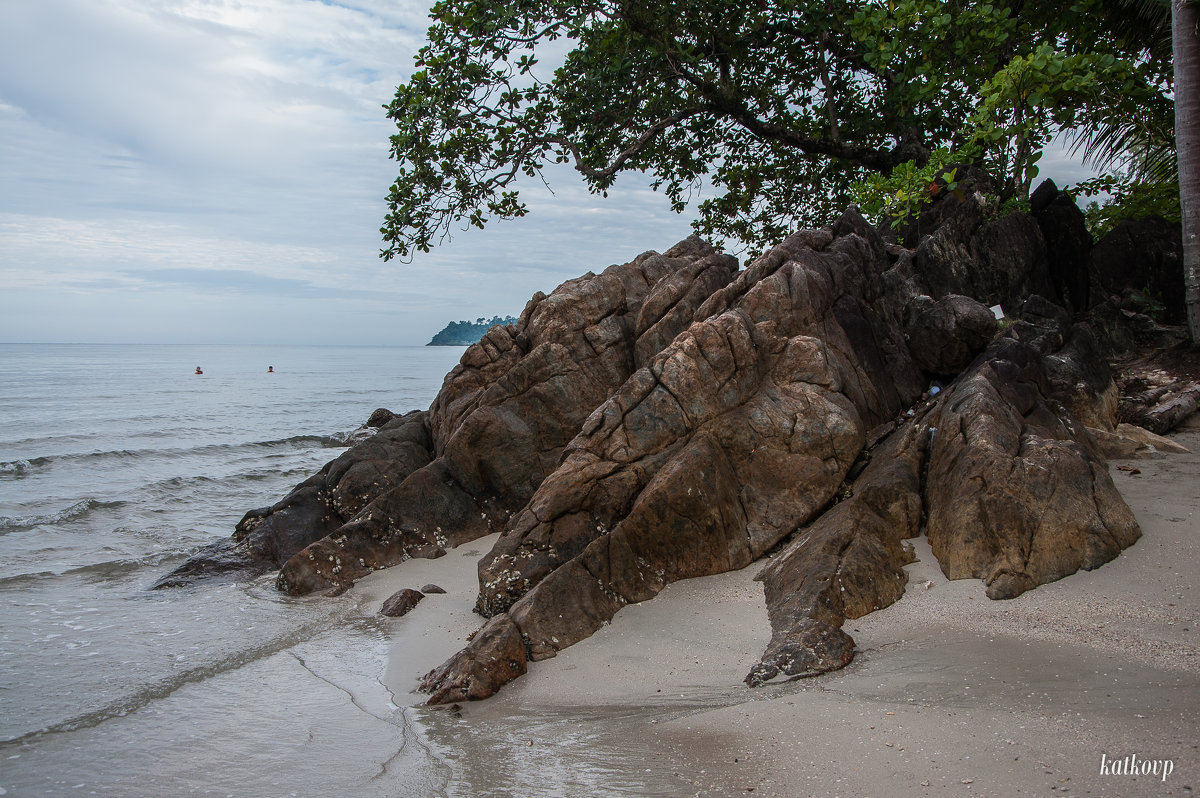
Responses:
[743,429]
[675,417]
[434,479]
[999,473]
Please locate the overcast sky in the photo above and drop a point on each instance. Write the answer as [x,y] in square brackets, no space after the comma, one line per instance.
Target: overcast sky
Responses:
[213,171]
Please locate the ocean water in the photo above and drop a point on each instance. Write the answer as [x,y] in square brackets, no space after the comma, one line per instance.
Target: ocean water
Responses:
[116,462]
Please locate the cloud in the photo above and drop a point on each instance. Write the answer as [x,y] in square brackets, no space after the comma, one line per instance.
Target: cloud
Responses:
[1060,165]
[267,108]
[238,149]
[64,246]
[154,152]
[204,80]
[222,282]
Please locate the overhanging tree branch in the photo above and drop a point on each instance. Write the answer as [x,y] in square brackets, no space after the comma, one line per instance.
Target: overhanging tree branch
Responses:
[632,151]
[780,106]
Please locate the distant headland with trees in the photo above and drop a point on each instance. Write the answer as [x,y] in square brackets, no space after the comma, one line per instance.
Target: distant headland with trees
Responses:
[465,333]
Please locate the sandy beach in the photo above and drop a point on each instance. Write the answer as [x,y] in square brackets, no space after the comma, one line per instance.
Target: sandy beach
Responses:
[949,694]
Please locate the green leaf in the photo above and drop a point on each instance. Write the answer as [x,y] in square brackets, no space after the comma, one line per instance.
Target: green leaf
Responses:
[481,115]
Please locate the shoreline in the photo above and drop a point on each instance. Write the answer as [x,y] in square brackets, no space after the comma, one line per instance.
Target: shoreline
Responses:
[950,693]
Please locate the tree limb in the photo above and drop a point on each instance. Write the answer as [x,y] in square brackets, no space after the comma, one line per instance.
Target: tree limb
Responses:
[629,152]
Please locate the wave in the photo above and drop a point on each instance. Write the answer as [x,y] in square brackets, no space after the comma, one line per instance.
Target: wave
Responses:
[345,439]
[149,494]
[73,513]
[105,571]
[174,484]
[200,483]
[23,467]
[79,437]
[164,687]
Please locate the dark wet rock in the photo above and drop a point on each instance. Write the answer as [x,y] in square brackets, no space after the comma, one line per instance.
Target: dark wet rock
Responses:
[1077,375]
[223,559]
[1068,244]
[995,261]
[267,537]
[1141,262]
[1126,333]
[427,589]
[401,602]
[962,209]
[427,551]
[380,417]
[946,335]
[466,678]
[809,648]
[1042,197]
[359,435]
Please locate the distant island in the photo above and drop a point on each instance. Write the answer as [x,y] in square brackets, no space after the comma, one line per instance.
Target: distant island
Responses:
[465,333]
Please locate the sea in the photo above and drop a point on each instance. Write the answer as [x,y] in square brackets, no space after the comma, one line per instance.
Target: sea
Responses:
[116,462]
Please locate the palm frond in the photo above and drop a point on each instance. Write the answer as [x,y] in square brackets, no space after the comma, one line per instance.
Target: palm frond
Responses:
[1142,147]
[1143,24]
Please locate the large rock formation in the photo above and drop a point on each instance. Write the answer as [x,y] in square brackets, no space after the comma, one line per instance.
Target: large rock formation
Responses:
[737,432]
[1016,493]
[673,417]
[1141,262]
[437,478]
[743,429]
[1068,244]
[845,565]
[1005,475]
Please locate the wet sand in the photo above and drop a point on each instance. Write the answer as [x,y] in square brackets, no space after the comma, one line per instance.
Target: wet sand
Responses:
[950,693]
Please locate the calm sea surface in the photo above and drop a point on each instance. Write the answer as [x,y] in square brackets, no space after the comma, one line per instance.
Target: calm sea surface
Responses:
[115,463]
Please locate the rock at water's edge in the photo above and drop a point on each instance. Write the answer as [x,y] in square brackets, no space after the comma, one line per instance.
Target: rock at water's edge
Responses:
[401,602]
[673,417]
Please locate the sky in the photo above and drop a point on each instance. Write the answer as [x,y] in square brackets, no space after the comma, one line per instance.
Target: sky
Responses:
[214,171]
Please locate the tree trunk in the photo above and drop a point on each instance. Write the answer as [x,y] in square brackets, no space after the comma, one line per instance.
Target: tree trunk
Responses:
[1185,26]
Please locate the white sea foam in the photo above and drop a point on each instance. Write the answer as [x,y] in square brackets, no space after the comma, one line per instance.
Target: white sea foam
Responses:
[15,468]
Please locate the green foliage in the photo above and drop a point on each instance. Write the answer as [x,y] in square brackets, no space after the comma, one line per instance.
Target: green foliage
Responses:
[779,106]
[1012,205]
[1125,198]
[900,196]
[1150,304]
[1042,92]
[464,333]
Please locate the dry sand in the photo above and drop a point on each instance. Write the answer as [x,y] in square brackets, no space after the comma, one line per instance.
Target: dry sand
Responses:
[950,693]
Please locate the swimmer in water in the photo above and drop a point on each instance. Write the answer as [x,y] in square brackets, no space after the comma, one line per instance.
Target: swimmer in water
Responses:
[270,369]
[199,370]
